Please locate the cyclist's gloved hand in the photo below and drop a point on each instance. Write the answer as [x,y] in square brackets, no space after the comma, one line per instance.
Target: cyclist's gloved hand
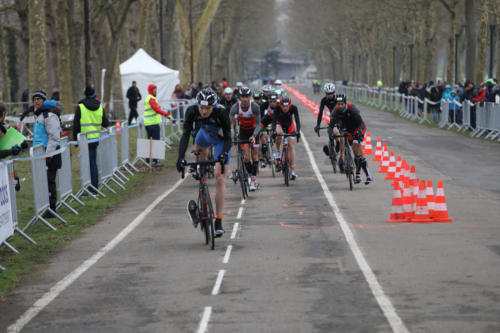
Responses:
[358,136]
[316,129]
[15,150]
[273,135]
[180,164]
[222,158]
[24,145]
[298,135]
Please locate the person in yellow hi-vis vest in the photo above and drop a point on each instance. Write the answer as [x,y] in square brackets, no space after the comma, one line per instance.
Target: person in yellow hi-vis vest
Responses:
[152,117]
[89,118]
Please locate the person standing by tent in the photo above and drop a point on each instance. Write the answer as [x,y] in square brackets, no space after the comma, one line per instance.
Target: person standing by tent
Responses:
[152,117]
[134,96]
[89,118]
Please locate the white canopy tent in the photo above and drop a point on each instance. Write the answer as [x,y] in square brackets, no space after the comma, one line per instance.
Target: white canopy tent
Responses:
[143,69]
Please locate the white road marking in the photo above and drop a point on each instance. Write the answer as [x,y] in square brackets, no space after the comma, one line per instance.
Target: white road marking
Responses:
[383,301]
[205,319]
[60,286]
[235,230]
[228,254]
[240,213]
[218,282]
[243,201]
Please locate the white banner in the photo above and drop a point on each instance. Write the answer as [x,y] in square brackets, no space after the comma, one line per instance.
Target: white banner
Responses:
[6,223]
[158,150]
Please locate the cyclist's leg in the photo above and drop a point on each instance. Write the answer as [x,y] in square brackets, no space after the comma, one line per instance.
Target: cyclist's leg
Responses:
[220,186]
[336,132]
[255,162]
[279,138]
[245,148]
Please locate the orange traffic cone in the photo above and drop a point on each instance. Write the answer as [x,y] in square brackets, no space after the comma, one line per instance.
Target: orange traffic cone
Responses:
[368,150]
[407,200]
[378,151]
[118,129]
[397,214]
[414,185]
[421,212]
[399,165]
[430,197]
[391,171]
[440,209]
[384,165]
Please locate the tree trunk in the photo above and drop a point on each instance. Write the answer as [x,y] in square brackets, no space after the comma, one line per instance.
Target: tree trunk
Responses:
[63,51]
[470,32]
[222,56]
[5,67]
[483,43]
[37,67]
[75,35]
[497,13]
[450,65]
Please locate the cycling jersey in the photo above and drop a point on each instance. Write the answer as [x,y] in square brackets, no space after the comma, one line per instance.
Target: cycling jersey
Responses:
[216,126]
[285,119]
[349,119]
[329,103]
[228,104]
[247,119]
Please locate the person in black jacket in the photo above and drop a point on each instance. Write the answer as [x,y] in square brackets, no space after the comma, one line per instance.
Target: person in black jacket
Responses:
[134,96]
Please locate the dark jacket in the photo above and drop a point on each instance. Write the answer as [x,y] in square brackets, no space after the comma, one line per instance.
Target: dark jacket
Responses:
[134,96]
[92,104]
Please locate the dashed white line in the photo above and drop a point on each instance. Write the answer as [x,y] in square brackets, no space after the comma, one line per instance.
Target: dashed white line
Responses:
[243,201]
[235,230]
[240,213]
[205,319]
[228,254]
[383,301]
[60,286]
[218,282]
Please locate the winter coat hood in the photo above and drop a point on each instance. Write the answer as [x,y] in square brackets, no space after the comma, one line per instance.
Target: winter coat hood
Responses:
[150,89]
[91,103]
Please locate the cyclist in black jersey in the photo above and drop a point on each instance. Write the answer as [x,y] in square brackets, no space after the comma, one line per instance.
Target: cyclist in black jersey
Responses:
[347,117]
[229,99]
[328,101]
[257,97]
[214,130]
[283,122]
[266,120]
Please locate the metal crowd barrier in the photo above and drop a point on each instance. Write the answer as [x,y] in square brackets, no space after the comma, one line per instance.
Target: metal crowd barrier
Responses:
[480,119]
[83,157]
[40,188]
[105,162]
[125,163]
[114,157]
[64,178]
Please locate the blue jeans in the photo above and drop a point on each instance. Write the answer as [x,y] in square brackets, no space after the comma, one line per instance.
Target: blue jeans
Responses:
[435,115]
[94,172]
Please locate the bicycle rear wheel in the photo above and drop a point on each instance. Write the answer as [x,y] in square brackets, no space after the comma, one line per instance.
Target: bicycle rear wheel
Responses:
[205,214]
[286,174]
[349,166]
[333,156]
[242,178]
[270,157]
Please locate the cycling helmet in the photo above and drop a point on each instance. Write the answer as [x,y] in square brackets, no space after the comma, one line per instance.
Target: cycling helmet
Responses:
[273,97]
[257,94]
[285,100]
[244,92]
[329,88]
[340,98]
[228,91]
[266,88]
[206,97]
[239,84]
[278,83]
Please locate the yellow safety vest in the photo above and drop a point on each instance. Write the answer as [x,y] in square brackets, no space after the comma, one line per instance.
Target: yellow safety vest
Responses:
[90,121]
[150,116]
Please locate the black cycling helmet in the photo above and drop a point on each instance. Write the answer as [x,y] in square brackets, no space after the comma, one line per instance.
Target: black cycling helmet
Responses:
[285,100]
[244,92]
[273,97]
[207,97]
[340,98]
[257,94]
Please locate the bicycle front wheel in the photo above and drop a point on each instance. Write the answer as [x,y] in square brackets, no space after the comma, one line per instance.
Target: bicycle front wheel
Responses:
[286,172]
[210,222]
[333,156]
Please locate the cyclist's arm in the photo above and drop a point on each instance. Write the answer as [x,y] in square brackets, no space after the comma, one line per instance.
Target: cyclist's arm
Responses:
[256,113]
[320,114]
[226,129]
[187,129]
[356,117]
[297,119]
[232,115]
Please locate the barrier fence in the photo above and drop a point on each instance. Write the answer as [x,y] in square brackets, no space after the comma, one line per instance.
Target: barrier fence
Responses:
[111,162]
[480,119]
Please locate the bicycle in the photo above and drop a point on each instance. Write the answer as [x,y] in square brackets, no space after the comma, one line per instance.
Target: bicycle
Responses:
[269,156]
[204,210]
[285,157]
[332,152]
[241,173]
[348,160]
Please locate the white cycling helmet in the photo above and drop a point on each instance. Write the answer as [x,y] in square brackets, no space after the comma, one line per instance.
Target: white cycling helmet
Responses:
[266,88]
[329,88]
[278,83]
[228,91]
[239,84]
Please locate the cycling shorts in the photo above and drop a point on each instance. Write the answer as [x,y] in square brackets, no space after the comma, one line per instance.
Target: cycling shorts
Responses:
[288,130]
[266,121]
[246,134]
[204,139]
[350,135]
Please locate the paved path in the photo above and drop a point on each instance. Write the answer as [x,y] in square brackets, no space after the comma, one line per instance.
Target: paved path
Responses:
[285,263]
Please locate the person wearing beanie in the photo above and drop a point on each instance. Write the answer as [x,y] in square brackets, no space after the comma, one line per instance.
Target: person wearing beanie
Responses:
[152,117]
[47,132]
[37,98]
[89,118]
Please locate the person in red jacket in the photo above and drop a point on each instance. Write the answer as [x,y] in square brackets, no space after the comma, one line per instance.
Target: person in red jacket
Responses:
[152,117]
[481,94]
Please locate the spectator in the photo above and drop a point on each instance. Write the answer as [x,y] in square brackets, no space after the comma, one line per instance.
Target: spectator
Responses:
[14,150]
[47,131]
[435,95]
[179,93]
[89,118]
[55,95]
[481,94]
[492,90]
[25,98]
[134,96]
[455,110]
[193,91]
[38,98]
[224,83]
[152,117]
[468,96]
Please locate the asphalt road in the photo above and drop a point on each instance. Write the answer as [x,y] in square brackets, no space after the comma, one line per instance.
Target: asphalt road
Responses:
[287,261]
